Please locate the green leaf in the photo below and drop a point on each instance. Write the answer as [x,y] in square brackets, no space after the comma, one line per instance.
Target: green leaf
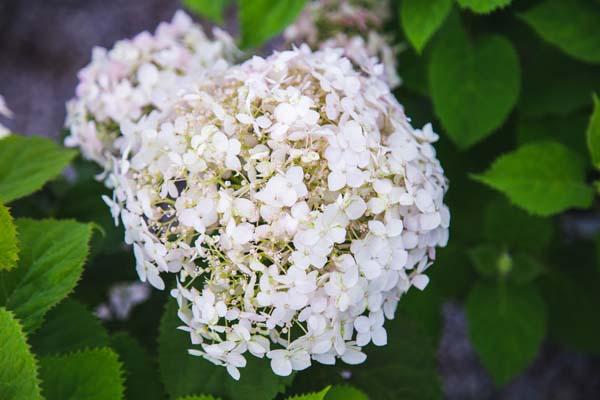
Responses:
[506,325]
[593,134]
[210,9]
[83,330]
[9,251]
[483,6]
[260,20]
[513,228]
[52,258]
[474,84]
[311,396]
[27,163]
[257,382]
[18,367]
[141,381]
[345,392]
[544,178]
[91,374]
[571,25]
[422,18]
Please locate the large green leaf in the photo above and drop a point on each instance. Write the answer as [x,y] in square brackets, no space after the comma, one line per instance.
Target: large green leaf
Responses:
[18,367]
[474,84]
[544,178]
[193,375]
[506,325]
[51,263]
[345,392]
[210,9]
[9,251]
[593,134]
[26,163]
[483,6]
[311,396]
[571,25]
[260,20]
[91,374]
[422,18]
[68,327]
[141,372]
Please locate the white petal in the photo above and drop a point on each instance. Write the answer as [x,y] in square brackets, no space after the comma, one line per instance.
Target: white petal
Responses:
[355,177]
[234,372]
[420,281]
[300,360]
[356,208]
[363,339]
[353,357]
[336,181]
[282,366]
[285,113]
[377,228]
[429,222]
[362,324]
[154,278]
[379,336]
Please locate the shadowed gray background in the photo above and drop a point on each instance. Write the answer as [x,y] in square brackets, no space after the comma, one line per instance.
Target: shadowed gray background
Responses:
[43,43]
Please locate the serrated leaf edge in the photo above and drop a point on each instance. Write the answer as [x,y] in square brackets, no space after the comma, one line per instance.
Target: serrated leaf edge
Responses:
[104,349]
[38,379]
[84,262]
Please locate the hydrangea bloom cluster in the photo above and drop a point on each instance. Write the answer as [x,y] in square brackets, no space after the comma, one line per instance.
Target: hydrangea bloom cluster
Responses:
[137,76]
[293,200]
[355,26]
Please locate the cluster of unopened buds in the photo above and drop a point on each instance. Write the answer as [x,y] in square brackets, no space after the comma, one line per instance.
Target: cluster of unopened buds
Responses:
[289,195]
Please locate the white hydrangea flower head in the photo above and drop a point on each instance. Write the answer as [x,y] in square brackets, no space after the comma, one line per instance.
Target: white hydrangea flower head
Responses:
[295,203]
[5,112]
[355,26]
[136,76]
